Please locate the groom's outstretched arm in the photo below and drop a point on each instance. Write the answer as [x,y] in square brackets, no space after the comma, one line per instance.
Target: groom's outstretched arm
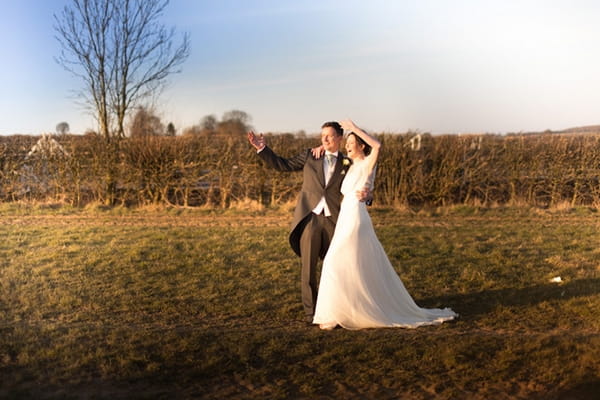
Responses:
[273,160]
[279,163]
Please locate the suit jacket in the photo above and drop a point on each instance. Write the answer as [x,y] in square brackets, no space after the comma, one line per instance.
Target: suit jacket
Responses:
[313,186]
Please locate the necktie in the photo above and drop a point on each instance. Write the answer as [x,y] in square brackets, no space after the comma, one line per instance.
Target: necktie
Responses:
[330,160]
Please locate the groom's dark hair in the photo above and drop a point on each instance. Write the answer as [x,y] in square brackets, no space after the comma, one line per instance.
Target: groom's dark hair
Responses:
[335,125]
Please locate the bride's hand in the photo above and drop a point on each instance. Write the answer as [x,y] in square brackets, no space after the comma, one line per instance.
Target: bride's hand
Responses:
[348,125]
[317,152]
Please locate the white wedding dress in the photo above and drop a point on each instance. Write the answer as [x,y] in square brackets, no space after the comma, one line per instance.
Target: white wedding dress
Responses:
[359,288]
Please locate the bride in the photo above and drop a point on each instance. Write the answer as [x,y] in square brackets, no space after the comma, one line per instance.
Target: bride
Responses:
[359,288]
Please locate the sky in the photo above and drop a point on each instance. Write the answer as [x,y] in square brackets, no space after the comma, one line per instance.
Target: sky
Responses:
[438,66]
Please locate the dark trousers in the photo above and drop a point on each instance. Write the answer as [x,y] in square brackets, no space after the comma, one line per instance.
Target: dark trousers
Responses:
[314,243]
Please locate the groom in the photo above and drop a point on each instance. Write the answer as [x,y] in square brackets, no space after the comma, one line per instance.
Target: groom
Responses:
[318,203]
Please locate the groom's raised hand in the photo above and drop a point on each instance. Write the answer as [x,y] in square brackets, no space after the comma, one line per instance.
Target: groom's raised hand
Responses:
[257,141]
[365,195]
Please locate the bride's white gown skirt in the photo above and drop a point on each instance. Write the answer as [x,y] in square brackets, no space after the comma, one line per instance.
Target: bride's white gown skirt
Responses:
[359,288]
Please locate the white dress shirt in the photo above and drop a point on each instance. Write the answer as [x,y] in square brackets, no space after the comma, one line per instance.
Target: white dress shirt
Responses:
[322,205]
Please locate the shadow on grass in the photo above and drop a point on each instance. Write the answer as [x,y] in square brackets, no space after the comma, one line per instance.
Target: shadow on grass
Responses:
[581,391]
[473,304]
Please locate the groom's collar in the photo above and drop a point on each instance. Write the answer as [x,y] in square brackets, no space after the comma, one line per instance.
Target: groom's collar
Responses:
[335,153]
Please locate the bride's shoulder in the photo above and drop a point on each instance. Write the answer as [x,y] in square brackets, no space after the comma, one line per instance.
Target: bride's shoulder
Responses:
[370,162]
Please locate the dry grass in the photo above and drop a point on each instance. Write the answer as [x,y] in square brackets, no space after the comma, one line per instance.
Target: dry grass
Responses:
[118,303]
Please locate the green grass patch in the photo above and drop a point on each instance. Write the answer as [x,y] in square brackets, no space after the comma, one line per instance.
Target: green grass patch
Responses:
[197,304]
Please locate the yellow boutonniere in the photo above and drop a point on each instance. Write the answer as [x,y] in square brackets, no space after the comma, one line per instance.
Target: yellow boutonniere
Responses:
[346,163]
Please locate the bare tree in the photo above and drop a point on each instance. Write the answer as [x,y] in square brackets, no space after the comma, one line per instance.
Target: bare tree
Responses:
[62,128]
[208,125]
[171,131]
[237,115]
[234,123]
[121,51]
[83,34]
[145,123]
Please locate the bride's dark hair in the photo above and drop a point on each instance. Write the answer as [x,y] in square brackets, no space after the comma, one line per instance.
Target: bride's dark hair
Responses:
[367,148]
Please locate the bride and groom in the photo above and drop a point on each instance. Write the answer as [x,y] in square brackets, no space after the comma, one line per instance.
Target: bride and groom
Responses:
[358,288]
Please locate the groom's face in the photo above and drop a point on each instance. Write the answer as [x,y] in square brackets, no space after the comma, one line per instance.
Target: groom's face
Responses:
[330,139]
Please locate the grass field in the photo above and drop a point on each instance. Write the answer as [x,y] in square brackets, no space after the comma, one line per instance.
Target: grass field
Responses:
[126,304]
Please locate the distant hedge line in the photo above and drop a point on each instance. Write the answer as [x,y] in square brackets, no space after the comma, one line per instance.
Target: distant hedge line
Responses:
[539,170]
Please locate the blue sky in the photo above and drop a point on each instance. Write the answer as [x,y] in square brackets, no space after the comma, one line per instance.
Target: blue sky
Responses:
[431,65]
